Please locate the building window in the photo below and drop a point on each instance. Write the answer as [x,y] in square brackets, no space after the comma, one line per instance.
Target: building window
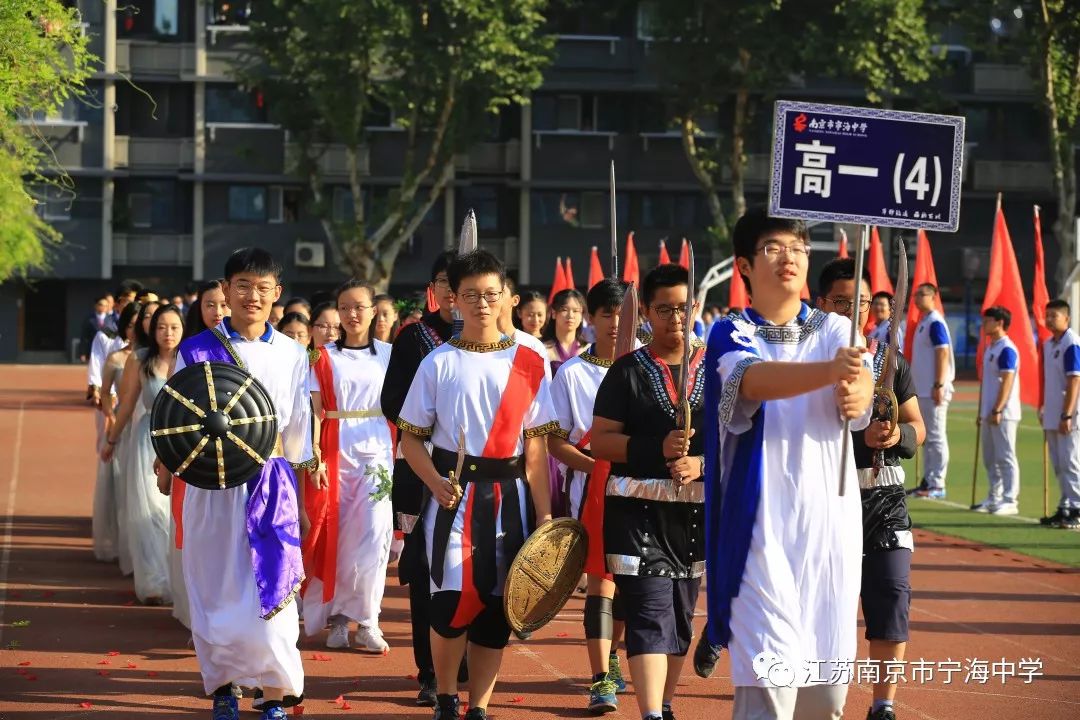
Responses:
[283,204]
[230,104]
[566,112]
[594,209]
[668,210]
[54,203]
[647,11]
[577,209]
[230,12]
[247,203]
[141,207]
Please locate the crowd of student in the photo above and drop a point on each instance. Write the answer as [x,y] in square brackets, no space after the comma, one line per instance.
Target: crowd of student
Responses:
[373,409]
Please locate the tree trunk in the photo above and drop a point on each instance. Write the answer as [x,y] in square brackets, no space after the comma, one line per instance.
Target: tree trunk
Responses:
[699,167]
[738,153]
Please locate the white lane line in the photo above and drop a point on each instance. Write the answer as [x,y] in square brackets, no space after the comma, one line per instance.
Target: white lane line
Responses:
[9,522]
[961,506]
[550,669]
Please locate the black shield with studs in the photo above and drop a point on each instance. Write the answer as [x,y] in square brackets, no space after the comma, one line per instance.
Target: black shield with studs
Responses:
[213,425]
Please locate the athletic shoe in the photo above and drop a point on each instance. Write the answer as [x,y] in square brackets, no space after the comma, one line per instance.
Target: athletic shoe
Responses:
[225,708]
[984,507]
[602,697]
[370,640]
[257,699]
[885,713]
[922,486]
[446,707]
[288,701]
[614,673]
[338,639]
[426,696]
[667,715]
[706,655]
[932,493]
[275,713]
[1053,520]
[1071,521]
[476,714]
[1005,509]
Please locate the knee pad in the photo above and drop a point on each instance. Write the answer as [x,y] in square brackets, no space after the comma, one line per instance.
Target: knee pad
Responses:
[598,618]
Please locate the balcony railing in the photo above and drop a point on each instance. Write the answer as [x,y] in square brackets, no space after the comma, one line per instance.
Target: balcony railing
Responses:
[151,153]
[999,175]
[151,249]
[492,158]
[1002,79]
[154,58]
[332,163]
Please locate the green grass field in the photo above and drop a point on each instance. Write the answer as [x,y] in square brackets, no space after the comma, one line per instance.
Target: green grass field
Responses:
[1019,533]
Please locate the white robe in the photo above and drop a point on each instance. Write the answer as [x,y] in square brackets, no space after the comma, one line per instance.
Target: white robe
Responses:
[799,594]
[365,526]
[573,392]
[233,643]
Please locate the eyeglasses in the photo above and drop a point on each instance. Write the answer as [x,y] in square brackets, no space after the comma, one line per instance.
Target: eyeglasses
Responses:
[343,310]
[844,305]
[471,297]
[245,289]
[441,282]
[326,328]
[664,312]
[773,251]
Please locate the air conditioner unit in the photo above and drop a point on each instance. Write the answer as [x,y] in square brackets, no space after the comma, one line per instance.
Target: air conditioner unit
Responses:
[309,255]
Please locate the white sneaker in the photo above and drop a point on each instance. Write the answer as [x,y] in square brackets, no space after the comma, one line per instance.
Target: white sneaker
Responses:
[1005,509]
[338,638]
[370,640]
[984,507]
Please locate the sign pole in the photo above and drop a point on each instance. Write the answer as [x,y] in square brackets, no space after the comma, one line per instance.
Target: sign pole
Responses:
[856,334]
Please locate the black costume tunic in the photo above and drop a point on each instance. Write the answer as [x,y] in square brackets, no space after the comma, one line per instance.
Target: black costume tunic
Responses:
[652,528]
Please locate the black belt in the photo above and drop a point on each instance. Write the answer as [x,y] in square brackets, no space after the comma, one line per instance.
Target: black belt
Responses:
[484,473]
[478,469]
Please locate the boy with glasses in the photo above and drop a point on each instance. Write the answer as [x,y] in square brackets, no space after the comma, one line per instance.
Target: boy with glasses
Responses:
[783,544]
[483,402]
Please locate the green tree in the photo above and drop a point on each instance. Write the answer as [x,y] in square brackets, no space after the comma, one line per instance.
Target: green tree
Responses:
[441,68]
[718,58]
[44,62]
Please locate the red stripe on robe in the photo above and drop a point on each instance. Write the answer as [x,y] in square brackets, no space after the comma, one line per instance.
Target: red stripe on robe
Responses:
[592,517]
[469,605]
[521,387]
[322,505]
[176,501]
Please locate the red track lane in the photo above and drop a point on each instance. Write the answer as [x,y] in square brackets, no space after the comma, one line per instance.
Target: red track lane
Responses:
[971,602]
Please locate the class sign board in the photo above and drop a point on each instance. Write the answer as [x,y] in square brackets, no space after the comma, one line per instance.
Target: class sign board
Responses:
[866,166]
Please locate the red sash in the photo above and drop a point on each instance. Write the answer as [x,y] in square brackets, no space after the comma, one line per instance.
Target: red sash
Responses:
[585,440]
[526,373]
[592,517]
[321,546]
[176,501]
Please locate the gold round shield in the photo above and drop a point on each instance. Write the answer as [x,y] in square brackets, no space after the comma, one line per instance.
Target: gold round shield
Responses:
[544,575]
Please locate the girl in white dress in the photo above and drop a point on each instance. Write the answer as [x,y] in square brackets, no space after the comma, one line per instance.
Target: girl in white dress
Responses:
[348,547]
[147,509]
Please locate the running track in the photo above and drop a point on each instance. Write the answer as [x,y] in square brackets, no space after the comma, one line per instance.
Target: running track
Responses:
[971,602]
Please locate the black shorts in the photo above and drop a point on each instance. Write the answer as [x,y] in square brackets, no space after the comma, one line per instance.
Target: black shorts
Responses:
[659,613]
[886,594]
[489,629]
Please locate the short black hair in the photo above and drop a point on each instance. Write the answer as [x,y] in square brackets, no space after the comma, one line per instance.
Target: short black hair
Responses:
[278,303]
[511,285]
[663,276]
[928,286]
[838,269]
[299,301]
[607,294]
[477,262]
[442,263]
[999,313]
[128,286]
[252,260]
[757,222]
[1058,304]
[289,318]
[882,294]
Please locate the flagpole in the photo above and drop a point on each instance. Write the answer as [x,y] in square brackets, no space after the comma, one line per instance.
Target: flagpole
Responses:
[854,337]
[614,231]
[978,435]
[1046,476]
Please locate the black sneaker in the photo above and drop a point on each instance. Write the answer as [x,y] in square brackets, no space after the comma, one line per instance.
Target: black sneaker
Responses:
[446,707]
[1054,519]
[426,696]
[288,701]
[923,486]
[1071,521]
[706,655]
[476,714]
[885,713]
[668,715]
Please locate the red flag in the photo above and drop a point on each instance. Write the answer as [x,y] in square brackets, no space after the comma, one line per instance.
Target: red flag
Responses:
[924,273]
[1039,297]
[737,296]
[432,306]
[1005,289]
[684,254]
[596,273]
[558,282]
[843,253]
[630,271]
[879,274]
[568,273]
[664,258]
[1039,294]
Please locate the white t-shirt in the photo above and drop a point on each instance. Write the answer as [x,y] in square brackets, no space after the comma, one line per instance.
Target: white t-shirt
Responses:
[1061,361]
[1000,358]
[931,333]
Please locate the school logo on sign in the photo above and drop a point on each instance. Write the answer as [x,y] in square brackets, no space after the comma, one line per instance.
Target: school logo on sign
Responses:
[800,122]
